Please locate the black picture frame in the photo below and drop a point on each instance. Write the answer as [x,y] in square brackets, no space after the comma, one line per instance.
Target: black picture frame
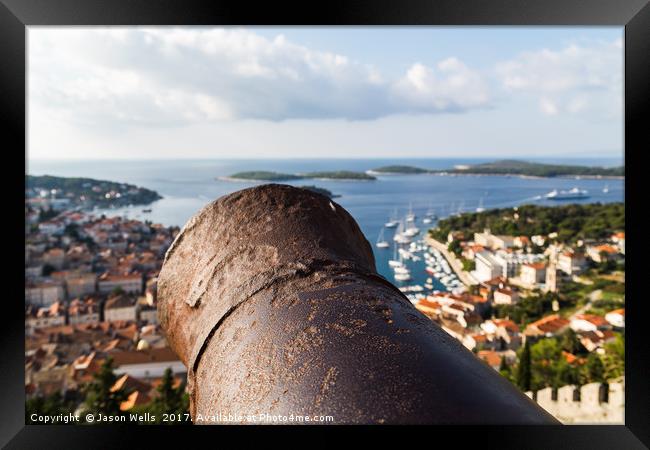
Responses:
[634,15]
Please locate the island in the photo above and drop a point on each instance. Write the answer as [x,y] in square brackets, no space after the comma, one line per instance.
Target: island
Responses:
[509,167]
[264,175]
[320,190]
[516,167]
[340,175]
[51,191]
[399,170]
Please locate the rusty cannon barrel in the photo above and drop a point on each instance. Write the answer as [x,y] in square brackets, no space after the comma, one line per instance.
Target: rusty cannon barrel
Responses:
[271,298]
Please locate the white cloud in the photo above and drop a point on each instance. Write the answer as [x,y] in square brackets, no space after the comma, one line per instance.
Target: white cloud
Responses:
[165,76]
[453,86]
[574,79]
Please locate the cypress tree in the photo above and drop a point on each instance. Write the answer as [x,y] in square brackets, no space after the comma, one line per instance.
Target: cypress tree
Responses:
[99,397]
[523,376]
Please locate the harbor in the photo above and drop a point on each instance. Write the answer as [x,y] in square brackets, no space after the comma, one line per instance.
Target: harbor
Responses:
[413,253]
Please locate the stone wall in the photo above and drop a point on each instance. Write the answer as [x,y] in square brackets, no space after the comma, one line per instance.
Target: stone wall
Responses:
[588,409]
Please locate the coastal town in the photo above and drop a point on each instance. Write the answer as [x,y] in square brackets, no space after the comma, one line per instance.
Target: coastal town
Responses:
[90,308]
[546,310]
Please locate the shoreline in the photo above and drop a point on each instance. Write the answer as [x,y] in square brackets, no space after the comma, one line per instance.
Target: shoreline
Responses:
[519,175]
[247,180]
[454,263]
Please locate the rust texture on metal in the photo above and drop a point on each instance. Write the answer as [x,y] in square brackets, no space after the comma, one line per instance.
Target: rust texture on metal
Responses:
[271,298]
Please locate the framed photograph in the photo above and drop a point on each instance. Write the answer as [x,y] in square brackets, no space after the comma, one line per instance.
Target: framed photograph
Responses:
[364,213]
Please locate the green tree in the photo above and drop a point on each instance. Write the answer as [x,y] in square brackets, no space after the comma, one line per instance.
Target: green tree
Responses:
[504,370]
[169,400]
[100,398]
[595,368]
[566,374]
[614,358]
[50,405]
[570,342]
[117,290]
[454,247]
[524,375]
[468,265]
[545,355]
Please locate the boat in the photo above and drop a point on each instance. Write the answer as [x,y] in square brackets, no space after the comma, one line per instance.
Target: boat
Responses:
[410,217]
[480,206]
[606,189]
[402,276]
[381,242]
[401,270]
[429,216]
[574,193]
[411,231]
[395,262]
[401,236]
[147,210]
[392,221]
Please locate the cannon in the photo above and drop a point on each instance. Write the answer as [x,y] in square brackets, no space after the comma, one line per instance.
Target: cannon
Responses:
[271,298]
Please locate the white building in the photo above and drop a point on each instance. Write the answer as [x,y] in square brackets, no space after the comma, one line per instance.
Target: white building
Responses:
[616,318]
[588,322]
[487,267]
[44,293]
[505,297]
[149,314]
[80,285]
[148,363]
[571,263]
[130,283]
[533,274]
[82,312]
[120,307]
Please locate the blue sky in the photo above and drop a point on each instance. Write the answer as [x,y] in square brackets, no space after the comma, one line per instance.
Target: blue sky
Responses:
[322,91]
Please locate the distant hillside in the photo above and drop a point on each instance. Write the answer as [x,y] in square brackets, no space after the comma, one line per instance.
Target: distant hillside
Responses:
[571,222]
[400,170]
[340,175]
[515,167]
[510,167]
[88,191]
[263,175]
[320,190]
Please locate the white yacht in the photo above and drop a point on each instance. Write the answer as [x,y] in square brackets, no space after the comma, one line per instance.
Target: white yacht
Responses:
[401,236]
[401,270]
[606,189]
[395,262]
[392,221]
[480,206]
[402,276]
[411,231]
[574,193]
[410,217]
[381,242]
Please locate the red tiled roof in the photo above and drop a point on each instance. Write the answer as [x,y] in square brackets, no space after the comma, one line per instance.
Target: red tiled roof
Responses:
[620,311]
[550,324]
[490,356]
[596,320]
[164,354]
